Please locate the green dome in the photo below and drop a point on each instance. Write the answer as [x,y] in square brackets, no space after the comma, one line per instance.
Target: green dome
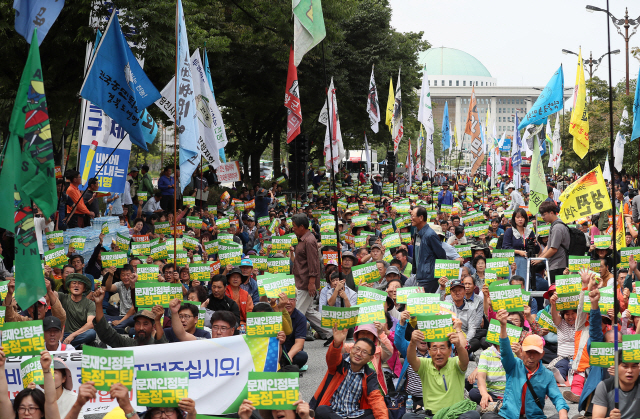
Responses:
[451,62]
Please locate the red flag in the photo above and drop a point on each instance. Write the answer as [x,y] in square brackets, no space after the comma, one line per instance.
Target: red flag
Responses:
[292,101]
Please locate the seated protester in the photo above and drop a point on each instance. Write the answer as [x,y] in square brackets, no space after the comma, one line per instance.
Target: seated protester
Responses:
[525,377]
[30,402]
[186,409]
[94,265]
[124,289]
[241,297]
[198,293]
[120,393]
[381,284]
[629,393]
[491,378]
[465,311]
[383,347]
[550,338]
[249,284]
[293,347]
[287,327]
[151,206]
[348,262]
[188,316]
[77,261]
[56,307]
[477,250]
[479,264]
[80,311]
[449,250]
[565,322]
[350,387]
[518,280]
[145,322]
[218,300]
[337,294]
[408,380]
[402,255]
[392,305]
[302,411]
[52,328]
[63,380]
[222,324]
[401,276]
[441,375]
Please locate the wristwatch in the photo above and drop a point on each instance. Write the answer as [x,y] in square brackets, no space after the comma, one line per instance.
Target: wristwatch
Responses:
[130,415]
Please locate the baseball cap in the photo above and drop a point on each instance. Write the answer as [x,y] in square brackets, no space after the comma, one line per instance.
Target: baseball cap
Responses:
[246,262]
[533,343]
[145,313]
[376,246]
[393,270]
[549,292]
[456,283]
[51,322]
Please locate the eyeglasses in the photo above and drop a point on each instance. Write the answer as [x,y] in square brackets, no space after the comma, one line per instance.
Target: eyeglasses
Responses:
[357,351]
[439,349]
[30,409]
[185,316]
[220,328]
[168,413]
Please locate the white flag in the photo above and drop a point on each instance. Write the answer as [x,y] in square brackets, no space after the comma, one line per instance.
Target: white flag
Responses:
[208,125]
[398,125]
[621,140]
[329,117]
[373,108]
[606,173]
[425,114]
[429,156]
[367,156]
[557,145]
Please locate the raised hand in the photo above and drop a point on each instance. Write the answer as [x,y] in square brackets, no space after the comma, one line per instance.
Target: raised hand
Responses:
[417,337]
[174,306]
[45,360]
[502,315]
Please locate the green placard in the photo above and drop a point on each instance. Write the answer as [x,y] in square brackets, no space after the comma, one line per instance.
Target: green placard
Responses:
[631,348]
[77,242]
[602,241]
[370,312]
[579,262]
[143,196]
[464,250]
[56,258]
[447,268]
[148,272]
[274,286]
[259,262]
[161,388]
[123,241]
[140,248]
[403,293]
[391,241]
[23,338]
[229,257]
[605,304]
[509,254]
[601,354]
[423,303]
[386,229]
[264,324]
[159,251]
[117,259]
[546,321]
[506,297]
[543,230]
[498,266]
[281,243]
[149,295]
[189,201]
[568,284]
[625,252]
[194,222]
[279,265]
[162,227]
[105,228]
[404,221]
[370,295]
[329,239]
[190,243]
[3,312]
[343,317]
[106,367]
[447,209]
[634,307]
[273,390]
[360,220]
[568,301]
[200,272]
[211,247]
[264,221]
[31,371]
[493,332]
[436,328]
[274,225]
[365,273]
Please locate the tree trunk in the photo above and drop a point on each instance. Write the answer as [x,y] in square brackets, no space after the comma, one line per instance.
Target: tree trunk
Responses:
[276,158]
[255,167]
[245,169]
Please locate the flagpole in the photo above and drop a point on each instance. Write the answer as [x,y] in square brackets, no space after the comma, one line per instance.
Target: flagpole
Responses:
[75,120]
[175,141]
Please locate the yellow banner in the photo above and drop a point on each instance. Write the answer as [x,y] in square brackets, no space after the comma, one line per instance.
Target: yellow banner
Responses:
[579,125]
[586,196]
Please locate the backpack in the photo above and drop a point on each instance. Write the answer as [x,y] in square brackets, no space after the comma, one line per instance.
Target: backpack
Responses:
[577,244]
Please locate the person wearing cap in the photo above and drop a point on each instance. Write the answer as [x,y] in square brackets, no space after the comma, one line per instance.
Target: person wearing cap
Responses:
[79,309]
[376,184]
[145,322]
[466,311]
[450,252]
[235,278]
[522,373]
[348,262]
[427,249]
[65,397]
[52,328]
[337,294]
[54,302]
[376,252]
[262,202]
[249,284]
[516,200]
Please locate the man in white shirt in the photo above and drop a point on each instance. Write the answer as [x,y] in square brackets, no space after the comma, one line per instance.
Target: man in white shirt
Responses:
[516,198]
[152,205]
[52,328]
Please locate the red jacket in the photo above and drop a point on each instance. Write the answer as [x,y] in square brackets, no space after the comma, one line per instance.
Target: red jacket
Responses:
[371,399]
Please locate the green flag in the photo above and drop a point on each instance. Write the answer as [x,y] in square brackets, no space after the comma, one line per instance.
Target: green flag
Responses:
[308,27]
[28,176]
[538,190]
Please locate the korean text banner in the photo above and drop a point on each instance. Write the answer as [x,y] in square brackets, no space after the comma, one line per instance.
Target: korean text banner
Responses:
[264,324]
[342,317]
[271,390]
[23,338]
[161,388]
[403,293]
[366,273]
[106,367]
[150,294]
[218,370]
[601,354]
[370,295]
[586,196]
[493,333]
[370,312]
[435,328]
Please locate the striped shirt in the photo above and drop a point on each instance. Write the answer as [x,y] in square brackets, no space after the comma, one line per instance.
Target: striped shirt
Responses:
[491,364]
[346,400]
[414,384]
[566,339]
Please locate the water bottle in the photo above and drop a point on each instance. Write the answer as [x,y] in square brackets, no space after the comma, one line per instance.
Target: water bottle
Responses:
[243,329]
[409,404]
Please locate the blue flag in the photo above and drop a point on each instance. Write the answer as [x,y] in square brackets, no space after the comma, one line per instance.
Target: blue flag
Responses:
[446,132]
[39,14]
[117,84]
[223,158]
[636,112]
[549,101]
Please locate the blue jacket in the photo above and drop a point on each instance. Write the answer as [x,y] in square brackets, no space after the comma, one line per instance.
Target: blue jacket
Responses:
[166,184]
[543,382]
[596,374]
[401,345]
[445,199]
[429,250]
[251,286]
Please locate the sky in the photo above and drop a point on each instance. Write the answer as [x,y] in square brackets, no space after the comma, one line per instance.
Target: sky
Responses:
[519,42]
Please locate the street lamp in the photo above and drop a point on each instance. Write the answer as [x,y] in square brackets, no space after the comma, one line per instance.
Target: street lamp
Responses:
[592,62]
[627,23]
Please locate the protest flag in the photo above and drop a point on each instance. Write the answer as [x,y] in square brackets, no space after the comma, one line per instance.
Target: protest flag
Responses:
[446,128]
[32,14]
[373,107]
[636,112]
[292,101]
[549,102]
[579,125]
[398,125]
[473,129]
[367,156]
[538,190]
[607,170]
[621,140]
[516,155]
[334,136]
[308,27]
[586,196]
[221,141]
[390,104]
[29,124]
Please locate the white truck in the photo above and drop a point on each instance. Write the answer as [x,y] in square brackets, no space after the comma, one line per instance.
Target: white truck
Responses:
[355,160]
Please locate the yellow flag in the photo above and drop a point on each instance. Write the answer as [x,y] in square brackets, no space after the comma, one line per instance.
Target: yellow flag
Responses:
[620,233]
[584,197]
[455,137]
[579,125]
[391,101]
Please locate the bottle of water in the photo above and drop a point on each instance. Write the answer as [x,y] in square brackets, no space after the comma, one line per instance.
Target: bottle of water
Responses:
[409,404]
[243,329]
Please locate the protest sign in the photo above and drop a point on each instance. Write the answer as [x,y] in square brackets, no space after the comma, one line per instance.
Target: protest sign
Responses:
[152,294]
[222,223]
[259,262]
[447,209]
[77,242]
[601,354]
[602,241]
[105,228]
[402,222]
[281,243]
[434,327]
[504,253]
[163,227]
[56,258]
[568,301]
[140,237]
[230,257]
[506,297]
[123,242]
[190,243]
[605,304]
[117,259]
[386,229]
[404,292]
[228,172]
[275,391]
[329,239]
[31,371]
[211,247]
[189,201]
[447,268]
[546,321]
[143,196]
[568,284]
[543,230]
[625,253]
[23,338]
[329,255]
[280,284]
[148,272]
[174,243]
[370,312]
[140,248]
[423,303]
[343,317]
[3,312]
[579,262]
[106,367]
[365,273]
[464,250]
[181,257]
[200,272]
[493,333]
[55,237]
[161,388]
[159,251]
[498,266]
[391,241]
[631,348]
[634,307]
[360,220]
[264,324]
[360,241]
[279,265]
[264,221]
[4,289]
[368,295]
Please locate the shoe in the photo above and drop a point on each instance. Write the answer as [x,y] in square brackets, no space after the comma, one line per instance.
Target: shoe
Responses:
[328,342]
[569,396]
[309,337]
